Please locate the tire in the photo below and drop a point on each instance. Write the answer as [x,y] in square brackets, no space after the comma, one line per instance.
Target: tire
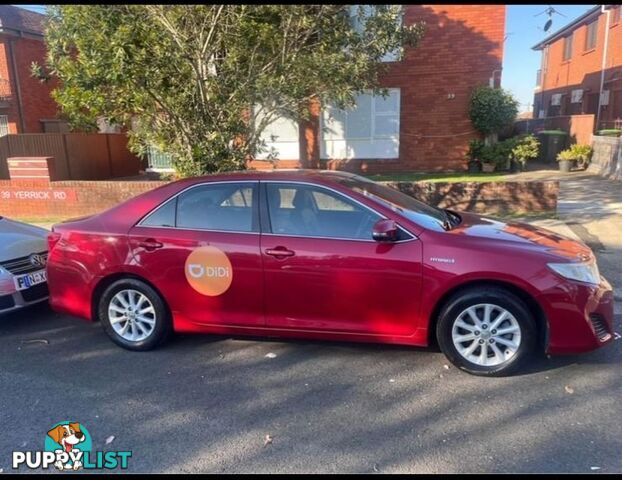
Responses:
[148,327]
[505,353]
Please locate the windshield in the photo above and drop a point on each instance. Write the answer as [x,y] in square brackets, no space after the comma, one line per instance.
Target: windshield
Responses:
[419,212]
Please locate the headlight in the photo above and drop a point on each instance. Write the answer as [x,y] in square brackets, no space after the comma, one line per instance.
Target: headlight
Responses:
[3,271]
[583,272]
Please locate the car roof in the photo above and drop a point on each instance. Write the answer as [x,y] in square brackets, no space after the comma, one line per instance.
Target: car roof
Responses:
[276,174]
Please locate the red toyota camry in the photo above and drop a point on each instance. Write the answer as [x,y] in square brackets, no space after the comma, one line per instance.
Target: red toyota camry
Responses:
[328,255]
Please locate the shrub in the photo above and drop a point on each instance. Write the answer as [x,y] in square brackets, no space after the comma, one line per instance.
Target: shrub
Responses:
[499,153]
[492,109]
[577,153]
[566,155]
[582,153]
[525,148]
[476,147]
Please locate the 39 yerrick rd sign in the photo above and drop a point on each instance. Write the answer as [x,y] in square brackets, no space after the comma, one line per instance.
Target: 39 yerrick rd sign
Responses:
[43,194]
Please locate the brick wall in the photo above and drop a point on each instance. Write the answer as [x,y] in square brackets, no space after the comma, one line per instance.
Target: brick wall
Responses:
[486,197]
[37,102]
[66,199]
[61,200]
[461,47]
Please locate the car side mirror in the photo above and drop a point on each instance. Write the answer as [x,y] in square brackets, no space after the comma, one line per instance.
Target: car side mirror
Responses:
[385,231]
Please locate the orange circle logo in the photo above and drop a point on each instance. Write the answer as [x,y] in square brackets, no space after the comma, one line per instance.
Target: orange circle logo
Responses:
[208,270]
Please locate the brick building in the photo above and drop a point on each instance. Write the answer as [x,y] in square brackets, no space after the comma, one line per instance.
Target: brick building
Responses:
[581,69]
[25,103]
[423,125]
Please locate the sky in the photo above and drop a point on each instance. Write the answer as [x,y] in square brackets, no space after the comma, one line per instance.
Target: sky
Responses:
[523,30]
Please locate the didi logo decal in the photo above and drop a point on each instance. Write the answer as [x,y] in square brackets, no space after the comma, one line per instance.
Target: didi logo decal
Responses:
[68,446]
[208,270]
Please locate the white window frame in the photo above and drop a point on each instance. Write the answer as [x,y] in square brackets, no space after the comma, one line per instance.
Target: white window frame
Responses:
[273,145]
[372,139]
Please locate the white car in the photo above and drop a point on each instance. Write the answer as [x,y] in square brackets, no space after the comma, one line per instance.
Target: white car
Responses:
[23,256]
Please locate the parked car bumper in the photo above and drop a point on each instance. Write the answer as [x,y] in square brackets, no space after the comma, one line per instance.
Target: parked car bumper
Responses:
[24,298]
[580,317]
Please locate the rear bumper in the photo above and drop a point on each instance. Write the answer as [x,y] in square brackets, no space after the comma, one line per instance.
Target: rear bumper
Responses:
[24,298]
[580,317]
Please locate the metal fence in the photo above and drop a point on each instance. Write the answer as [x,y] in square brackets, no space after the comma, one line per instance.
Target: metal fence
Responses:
[159,161]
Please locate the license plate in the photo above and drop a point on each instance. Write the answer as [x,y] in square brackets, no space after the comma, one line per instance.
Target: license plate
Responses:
[22,282]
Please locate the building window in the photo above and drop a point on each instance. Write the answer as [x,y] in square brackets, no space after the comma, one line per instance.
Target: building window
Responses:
[4,125]
[567,47]
[281,139]
[369,130]
[591,33]
[555,105]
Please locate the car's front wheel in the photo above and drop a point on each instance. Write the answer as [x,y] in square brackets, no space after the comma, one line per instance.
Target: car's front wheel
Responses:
[486,331]
[134,315]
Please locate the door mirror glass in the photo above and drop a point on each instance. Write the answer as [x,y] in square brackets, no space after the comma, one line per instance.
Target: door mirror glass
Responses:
[385,231]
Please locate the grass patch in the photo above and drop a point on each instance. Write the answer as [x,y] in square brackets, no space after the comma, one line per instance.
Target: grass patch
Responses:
[440,177]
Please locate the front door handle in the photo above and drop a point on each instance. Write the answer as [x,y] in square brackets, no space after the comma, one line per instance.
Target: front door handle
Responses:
[150,244]
[280,252]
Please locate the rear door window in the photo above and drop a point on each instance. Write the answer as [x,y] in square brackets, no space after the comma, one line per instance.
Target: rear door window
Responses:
[222,206]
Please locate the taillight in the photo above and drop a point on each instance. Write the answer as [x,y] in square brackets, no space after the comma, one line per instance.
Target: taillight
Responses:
[53,238]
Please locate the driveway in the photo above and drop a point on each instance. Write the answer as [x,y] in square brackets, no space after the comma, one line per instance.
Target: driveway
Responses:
[592,207]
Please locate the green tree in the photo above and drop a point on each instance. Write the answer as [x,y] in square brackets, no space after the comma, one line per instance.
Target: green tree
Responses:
[201,82]
[492,109]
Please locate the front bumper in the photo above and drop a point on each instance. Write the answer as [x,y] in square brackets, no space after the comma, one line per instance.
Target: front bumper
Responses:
[580,316]
[23,298]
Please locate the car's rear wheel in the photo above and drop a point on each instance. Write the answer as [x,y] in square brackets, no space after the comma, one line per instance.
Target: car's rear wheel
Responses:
[134,315]
[486,331]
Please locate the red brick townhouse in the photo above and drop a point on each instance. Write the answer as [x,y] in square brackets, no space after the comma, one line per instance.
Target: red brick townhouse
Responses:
[581,70]
[423,125]
[25,103]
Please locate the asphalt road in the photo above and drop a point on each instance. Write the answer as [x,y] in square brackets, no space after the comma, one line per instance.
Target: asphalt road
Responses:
[206,404]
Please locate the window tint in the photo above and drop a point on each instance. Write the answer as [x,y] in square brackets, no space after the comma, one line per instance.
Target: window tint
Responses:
[310,211]
[164,216]
[224,206]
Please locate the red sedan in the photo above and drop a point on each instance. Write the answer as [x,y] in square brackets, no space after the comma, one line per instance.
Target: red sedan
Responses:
[328,255]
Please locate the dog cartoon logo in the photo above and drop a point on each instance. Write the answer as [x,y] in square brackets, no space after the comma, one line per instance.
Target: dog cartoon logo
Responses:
[73,440]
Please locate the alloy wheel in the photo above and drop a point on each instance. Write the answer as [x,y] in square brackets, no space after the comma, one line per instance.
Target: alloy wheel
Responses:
[131,315]
[486,334]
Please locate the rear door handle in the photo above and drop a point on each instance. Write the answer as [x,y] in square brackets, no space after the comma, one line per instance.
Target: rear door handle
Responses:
[280,252]
[150,244]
